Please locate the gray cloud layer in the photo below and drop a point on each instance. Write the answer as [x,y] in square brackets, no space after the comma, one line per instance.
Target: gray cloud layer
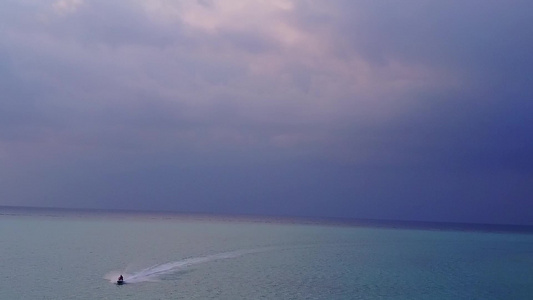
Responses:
[367,109]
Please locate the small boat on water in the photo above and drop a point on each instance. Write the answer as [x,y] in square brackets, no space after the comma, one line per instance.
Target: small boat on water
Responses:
[120,280]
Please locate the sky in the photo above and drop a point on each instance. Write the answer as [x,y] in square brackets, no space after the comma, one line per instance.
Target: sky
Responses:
[400,110]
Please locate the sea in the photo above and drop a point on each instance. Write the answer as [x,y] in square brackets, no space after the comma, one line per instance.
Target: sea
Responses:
[71,254]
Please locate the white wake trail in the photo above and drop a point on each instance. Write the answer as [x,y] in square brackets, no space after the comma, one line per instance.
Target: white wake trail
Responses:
[153,273]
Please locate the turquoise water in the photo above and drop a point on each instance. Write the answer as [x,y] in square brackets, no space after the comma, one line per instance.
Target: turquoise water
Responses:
[79,257]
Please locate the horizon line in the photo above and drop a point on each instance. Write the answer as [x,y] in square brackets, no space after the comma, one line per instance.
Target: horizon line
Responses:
[309,220]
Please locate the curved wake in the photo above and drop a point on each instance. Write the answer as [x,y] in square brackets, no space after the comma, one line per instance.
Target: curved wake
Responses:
[153,273]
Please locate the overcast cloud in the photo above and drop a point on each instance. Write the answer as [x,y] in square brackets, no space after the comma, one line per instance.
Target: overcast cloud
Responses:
[361,109]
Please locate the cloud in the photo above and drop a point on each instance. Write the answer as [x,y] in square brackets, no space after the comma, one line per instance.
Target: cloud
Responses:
[437,86]
[257,64]
[67,6]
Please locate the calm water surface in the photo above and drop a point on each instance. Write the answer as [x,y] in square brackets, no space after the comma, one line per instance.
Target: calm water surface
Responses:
[54,257]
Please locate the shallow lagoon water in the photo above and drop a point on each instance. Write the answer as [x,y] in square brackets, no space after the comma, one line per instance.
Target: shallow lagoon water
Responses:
[184,257]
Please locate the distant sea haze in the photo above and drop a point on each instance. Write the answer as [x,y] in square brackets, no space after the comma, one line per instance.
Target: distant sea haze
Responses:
[405,224]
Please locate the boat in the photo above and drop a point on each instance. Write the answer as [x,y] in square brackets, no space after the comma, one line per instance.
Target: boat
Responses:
[120,282]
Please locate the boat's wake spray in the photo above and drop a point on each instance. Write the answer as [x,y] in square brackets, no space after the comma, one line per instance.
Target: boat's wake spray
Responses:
[153,273]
